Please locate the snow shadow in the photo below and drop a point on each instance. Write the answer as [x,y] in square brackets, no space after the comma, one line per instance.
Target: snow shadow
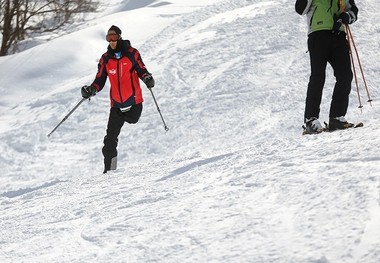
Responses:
[136,4]
[193,165]
[13,194]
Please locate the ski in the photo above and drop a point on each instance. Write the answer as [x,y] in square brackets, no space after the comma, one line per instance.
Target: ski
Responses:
[357,125]
[326,129]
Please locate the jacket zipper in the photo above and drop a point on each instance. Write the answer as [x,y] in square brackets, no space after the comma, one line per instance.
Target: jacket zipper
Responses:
[312,17]
[331,3]
[118,80]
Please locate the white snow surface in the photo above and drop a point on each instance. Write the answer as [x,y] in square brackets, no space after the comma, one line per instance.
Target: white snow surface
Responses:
[233,180]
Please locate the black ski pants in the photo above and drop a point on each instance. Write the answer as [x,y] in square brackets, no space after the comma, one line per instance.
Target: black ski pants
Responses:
[327,47]
[116,120]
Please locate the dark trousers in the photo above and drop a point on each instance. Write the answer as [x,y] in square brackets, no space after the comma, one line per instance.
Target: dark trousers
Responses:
[326,47]
[116,120]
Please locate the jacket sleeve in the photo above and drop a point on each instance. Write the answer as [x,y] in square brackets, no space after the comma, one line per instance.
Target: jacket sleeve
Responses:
[139,65]
[352,11]
[101,75]
[303,6]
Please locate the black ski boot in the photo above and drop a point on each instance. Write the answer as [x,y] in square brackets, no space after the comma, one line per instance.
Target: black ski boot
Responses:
[110,164]
[312,126]
[339,123]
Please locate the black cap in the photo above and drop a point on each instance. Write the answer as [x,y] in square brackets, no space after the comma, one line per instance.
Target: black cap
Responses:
[116,29]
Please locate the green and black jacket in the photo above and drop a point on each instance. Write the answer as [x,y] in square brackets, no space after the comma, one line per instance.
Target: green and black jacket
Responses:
[321,14]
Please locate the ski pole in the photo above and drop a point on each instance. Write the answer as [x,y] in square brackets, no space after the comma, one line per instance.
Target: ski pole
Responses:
[67,116]
[354,69]
[158,109]
[360,64]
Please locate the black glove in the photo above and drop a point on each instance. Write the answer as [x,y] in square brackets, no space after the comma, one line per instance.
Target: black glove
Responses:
[148,80]
[337,24]
[88,91]
[344,18]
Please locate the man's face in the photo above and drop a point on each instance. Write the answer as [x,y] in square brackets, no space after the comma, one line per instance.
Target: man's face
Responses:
[112,38]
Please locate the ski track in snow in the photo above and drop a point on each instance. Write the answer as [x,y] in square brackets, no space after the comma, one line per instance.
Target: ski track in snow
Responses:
[232,181]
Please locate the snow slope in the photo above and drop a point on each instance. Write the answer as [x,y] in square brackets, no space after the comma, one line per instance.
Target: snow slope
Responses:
[232,180]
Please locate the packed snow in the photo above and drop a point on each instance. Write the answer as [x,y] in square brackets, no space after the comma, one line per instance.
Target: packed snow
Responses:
[233,180]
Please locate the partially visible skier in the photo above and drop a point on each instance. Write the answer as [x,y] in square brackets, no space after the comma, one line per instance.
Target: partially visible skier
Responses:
[327,43]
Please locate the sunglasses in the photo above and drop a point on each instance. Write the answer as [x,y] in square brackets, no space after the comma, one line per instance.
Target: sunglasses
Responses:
[112,37]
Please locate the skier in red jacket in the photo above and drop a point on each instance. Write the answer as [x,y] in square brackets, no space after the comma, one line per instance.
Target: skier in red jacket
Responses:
[123,65]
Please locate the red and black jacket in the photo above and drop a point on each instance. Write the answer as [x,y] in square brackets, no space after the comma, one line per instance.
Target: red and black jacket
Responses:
[123,74]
